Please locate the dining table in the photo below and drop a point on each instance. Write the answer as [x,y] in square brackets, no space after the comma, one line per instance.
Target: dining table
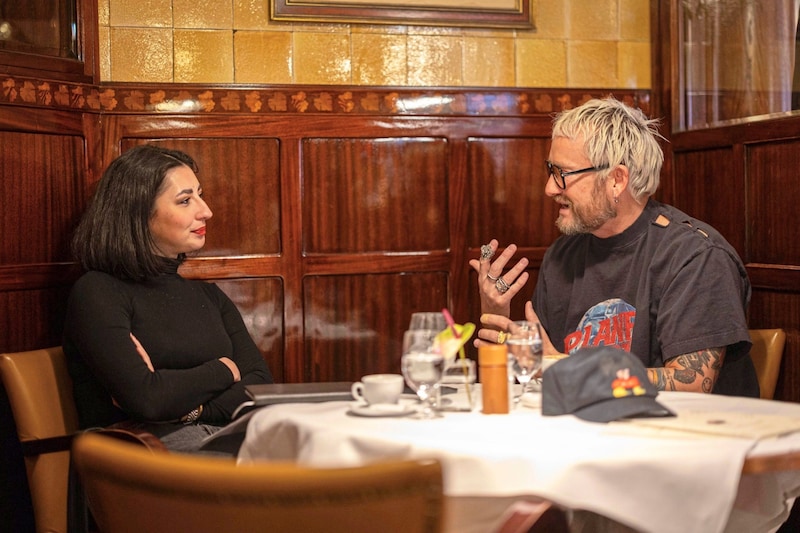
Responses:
[679,474]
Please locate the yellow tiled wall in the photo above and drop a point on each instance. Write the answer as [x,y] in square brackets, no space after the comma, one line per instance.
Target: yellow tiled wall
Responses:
[576,43]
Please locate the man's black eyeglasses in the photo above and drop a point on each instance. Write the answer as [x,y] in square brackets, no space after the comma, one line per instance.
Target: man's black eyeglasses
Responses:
[560,177]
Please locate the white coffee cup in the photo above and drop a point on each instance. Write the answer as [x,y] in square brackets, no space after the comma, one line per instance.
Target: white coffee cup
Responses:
[378,388]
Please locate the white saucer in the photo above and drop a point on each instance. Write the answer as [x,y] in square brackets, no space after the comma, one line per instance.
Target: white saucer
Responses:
[381,409]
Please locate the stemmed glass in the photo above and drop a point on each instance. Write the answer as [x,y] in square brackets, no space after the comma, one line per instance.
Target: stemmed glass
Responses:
[428,320]
[423,373]
[525,352]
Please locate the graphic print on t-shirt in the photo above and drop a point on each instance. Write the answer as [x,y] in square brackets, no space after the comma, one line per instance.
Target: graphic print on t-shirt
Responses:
[608,323]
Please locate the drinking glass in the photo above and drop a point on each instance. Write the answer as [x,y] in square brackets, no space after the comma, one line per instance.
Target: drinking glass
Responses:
[419,340]
[428,321]
[423,373]
[460,372]
[525,352]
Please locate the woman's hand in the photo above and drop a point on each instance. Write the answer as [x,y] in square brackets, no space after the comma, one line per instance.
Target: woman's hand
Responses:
[142,353]
[497,288]
[237,376]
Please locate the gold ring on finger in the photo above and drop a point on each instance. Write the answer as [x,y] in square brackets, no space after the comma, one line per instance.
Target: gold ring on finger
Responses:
[501,337]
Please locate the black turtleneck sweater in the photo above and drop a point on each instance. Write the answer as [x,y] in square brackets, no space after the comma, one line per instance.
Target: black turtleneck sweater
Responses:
[184,325]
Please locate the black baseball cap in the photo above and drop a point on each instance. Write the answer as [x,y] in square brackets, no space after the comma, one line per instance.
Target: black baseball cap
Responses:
[600,384]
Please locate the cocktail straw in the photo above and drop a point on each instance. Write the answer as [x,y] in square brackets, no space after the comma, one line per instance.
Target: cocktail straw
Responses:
[452,323]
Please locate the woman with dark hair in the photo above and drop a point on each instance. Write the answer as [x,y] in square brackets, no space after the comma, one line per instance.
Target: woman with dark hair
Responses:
[144,344]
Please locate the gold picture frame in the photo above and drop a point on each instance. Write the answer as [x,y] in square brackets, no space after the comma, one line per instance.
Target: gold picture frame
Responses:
[512,14]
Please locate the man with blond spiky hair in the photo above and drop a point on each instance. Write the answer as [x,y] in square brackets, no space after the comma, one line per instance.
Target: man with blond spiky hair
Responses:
[628,271]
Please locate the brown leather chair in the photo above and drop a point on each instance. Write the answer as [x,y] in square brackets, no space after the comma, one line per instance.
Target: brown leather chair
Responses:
[130,490]
[40,393]
[767,352]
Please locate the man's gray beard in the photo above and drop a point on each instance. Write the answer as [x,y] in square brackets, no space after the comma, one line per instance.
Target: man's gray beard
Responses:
[583,224]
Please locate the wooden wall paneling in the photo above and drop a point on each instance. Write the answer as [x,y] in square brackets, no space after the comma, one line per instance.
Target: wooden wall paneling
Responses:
[292,267]
[772,233]
[774,250]
[42,176]
[260,301]
[507,177]
[505,194]
[354,323]
[376,196]
[709,185]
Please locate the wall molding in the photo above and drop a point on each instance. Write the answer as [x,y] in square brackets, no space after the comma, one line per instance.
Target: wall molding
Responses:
[155,98]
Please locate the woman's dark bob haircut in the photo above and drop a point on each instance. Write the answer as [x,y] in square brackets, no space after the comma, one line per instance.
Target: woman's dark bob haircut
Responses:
[113,235]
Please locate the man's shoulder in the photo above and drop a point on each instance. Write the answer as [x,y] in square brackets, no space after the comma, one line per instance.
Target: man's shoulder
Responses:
[674,224]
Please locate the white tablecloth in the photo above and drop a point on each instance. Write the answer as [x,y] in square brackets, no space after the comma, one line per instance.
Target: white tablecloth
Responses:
[648,479]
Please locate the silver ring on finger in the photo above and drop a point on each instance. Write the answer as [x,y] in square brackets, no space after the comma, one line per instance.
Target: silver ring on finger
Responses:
[492,277]
[486,252]
[501,286]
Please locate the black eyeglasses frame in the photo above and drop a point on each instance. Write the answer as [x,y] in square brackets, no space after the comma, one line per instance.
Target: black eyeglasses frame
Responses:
[555,170]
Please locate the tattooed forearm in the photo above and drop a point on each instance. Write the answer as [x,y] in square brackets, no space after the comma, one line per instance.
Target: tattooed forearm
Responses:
[658,378]
[695,371]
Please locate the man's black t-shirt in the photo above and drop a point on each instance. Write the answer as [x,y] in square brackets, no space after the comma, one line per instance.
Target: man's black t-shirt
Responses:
[666,286]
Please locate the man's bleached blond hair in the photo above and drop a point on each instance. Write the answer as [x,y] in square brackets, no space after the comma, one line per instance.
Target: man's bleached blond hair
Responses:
[613,134]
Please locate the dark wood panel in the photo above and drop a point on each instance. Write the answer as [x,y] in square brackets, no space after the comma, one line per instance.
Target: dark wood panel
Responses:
[301,127]
[377,263]
[260,301]
[32,318]
[709,186]
[33,120]
[42,183]
[772,234]
[354,324]
[368,195]
[506,178]
[39,276]
[241,185]
[775,277]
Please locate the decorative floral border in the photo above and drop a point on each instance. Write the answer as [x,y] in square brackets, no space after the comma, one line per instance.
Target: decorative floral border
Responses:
[345,100]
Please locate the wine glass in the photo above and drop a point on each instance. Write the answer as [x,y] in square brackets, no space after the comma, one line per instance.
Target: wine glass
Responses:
[428,320]
[419,340]
[460,372]
[525,352]
[423,373]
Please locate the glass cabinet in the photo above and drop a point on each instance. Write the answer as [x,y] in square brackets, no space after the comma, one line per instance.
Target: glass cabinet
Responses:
[736,61]
[49,38]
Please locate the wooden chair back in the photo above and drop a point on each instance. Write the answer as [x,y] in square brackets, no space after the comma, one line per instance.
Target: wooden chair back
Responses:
[130,490]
